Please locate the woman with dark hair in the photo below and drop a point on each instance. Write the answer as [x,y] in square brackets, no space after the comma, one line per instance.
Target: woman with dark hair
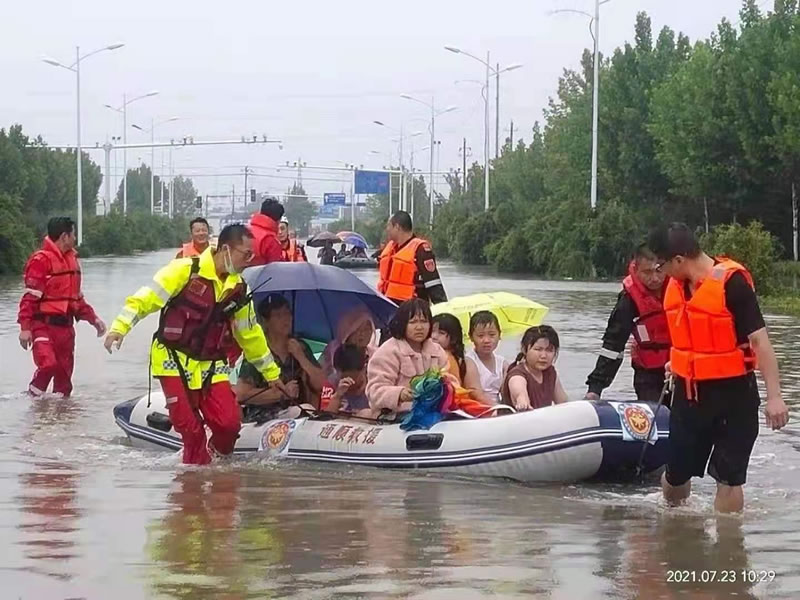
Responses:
[300,372]
[532,381]
[408,353]
[448,334]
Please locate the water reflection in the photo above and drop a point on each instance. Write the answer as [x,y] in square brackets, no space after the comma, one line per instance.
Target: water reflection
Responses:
[48,498]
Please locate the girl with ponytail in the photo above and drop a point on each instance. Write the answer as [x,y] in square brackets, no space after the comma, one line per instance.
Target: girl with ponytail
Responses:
[448,334]
[532,381]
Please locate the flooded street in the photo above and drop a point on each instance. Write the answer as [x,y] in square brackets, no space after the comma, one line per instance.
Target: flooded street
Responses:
[84,515]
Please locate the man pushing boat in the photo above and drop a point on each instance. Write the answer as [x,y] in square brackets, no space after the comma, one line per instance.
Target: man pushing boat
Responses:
[205,309]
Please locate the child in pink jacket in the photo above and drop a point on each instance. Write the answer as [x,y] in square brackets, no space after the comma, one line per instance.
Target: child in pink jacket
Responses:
[408,353]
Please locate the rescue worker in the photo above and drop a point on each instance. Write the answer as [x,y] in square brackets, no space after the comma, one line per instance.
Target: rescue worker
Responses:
[264,227]
[291,251]
[199,229]
[50,305]
[639,311]
[204,306]
[407,266]
[718,340]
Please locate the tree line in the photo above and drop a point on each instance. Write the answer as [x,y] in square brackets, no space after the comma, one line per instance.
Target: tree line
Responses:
[707,133]
[38,182]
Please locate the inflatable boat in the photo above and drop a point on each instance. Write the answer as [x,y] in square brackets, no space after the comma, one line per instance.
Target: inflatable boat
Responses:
[352,262]
[569,442]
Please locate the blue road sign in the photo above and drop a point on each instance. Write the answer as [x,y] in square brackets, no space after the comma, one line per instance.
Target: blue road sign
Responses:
[334,199]
[331,211]
[371,182]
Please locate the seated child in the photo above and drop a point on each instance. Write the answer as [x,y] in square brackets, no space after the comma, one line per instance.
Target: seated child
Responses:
[532,381]
[448,334]
[350,381]
[484,331]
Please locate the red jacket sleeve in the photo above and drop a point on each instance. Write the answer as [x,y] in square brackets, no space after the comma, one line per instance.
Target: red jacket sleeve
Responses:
[83,311]
[34,277]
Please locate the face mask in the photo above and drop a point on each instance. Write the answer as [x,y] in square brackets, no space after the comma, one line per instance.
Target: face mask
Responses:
[228,262]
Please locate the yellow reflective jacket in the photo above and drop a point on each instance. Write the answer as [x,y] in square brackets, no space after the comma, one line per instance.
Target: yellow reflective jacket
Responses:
[168,283]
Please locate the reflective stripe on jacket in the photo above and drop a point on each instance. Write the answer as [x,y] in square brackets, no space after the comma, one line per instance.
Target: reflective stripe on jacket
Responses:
[167,283]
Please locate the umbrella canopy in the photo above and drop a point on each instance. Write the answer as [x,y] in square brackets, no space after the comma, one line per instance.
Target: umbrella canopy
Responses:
[514,312]
[319,240]
[352,238]
[319,296]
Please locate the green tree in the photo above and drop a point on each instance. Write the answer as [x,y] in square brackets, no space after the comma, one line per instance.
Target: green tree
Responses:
[299,209]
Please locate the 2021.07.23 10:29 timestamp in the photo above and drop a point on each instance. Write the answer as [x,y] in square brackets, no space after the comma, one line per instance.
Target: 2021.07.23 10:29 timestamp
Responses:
[722,576]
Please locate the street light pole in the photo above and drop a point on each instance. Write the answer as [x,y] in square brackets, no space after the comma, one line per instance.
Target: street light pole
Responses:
[76,68]
[78,149]
[430,183]
[486,132]
[595,20]
[595,101]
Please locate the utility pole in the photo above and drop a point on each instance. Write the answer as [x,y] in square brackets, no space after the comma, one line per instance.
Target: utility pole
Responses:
[464,156]
[512,134]
[246,172]
[497,115]
[233,201]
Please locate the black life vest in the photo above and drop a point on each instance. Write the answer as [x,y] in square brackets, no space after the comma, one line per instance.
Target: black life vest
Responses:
[194,323]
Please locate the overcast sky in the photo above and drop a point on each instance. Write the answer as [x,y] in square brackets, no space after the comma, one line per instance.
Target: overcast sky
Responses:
[312,73]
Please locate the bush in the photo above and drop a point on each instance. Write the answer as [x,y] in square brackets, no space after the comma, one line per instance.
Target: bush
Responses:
[16,239]
[753,246]
[118,234]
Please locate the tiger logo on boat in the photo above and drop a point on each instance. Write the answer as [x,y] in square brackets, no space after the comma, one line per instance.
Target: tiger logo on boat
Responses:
[636,422]
[275,439]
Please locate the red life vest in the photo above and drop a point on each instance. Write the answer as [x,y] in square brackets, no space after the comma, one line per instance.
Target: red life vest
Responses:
[398,270]
[195,324]
[651,340]
[62,284]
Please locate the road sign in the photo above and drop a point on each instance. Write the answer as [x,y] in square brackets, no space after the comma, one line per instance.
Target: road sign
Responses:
[371,182]
[330,211]
[334,199]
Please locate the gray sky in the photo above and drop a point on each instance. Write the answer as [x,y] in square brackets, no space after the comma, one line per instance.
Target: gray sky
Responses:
[313,73]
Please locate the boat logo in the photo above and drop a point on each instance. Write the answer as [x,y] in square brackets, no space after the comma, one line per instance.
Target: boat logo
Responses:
[277,436]
[636,421]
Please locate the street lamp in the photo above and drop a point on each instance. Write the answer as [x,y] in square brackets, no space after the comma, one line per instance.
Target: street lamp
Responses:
[403,199]
[434,114]
[496,72]
[151,131]
[595,86]
[76,68]
[123,110]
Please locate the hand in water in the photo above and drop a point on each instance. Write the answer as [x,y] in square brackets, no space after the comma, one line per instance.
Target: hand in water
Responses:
[100,326]
[776,413]
[25,339]
[111,340]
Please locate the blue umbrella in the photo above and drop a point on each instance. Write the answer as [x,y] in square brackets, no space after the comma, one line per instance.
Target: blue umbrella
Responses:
[352,238]
[320,296]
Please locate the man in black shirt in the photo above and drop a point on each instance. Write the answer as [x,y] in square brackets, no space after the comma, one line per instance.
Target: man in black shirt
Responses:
[718,336]
[639,311]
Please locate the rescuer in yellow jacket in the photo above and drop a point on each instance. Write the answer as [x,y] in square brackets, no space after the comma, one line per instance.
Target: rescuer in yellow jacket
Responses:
[205,309]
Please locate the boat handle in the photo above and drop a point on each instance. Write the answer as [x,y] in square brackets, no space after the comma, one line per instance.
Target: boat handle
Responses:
[424,441]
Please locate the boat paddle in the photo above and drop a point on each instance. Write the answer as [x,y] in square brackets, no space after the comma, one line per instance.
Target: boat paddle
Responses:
[646,443]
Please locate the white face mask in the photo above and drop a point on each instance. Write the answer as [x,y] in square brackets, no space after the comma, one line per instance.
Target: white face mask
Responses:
[228,262]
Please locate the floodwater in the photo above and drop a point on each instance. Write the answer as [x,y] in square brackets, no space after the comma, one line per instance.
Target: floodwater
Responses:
[84,515]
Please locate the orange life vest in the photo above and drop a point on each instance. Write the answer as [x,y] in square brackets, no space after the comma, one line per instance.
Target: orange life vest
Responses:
[292,253]
[62,283]
[650,330]
[398,270]
[703,332]
[188,250]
